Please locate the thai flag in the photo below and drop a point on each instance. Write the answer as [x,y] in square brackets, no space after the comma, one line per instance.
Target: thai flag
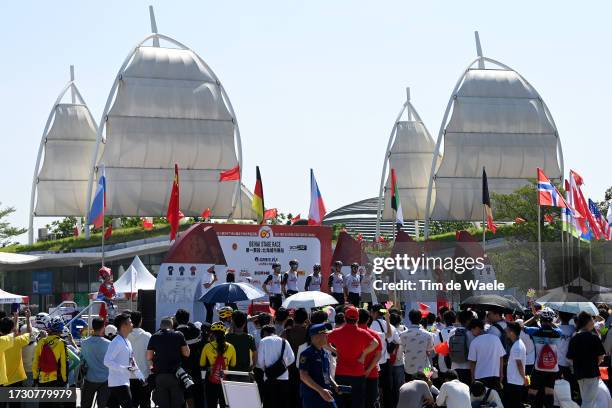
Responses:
[317,207]
[548,194]
[98,205]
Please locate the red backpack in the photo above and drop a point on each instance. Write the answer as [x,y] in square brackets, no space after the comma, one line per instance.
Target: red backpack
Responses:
[216,371]
[547,359]
[47,361]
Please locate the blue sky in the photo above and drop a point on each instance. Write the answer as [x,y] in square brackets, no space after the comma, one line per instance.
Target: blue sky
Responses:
[314,84]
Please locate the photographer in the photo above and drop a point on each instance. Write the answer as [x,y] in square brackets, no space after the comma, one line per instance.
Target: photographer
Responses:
[191,364]
[165,350]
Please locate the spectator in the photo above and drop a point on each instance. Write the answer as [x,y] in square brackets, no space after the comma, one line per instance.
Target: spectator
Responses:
[516,378]
[217,356]
[296,336]
[6,342]
[272,351]
[353,345]
[396,359]
[371,361]
[453,393]
[15,373]
[119,359]
[567,331]
[486,356]
[603,396]
[139,338]
[459,345]
[586,353]
[442,336]
[414,394]
[481,395]
[417,345]
[50,368]
[529,346]
[389,341]
[27,354]
[280,318]
[243,342]
[210,280]
[497,325]
[545,371]
[191,364]
[165,350]
[93,350]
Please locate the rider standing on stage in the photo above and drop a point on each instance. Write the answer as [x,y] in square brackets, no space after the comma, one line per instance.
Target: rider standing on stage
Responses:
[313,282]
[352,285]
[336,283]
[272,286]
[289,282]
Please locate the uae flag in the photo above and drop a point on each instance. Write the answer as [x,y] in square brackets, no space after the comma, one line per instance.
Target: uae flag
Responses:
[174,214]
[258,199]
[486,202]
[396,204]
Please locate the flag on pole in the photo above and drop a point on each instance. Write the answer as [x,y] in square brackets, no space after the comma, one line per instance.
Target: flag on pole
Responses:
[600,219]
[317,207]
[271,213]
[547,193]
[231,174]
[98,205]
[549,218]
[108,232]
[580,204]
[258,199]
[206,214]
[296,218]
[173,214]
[486,201]
[396,203]
[147,223]
[609,216]
[519,220]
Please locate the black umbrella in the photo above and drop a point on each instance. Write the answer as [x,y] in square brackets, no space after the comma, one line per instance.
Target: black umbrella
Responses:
[484,302]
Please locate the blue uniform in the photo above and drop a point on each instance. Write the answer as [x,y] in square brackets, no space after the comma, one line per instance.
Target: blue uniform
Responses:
[316,363]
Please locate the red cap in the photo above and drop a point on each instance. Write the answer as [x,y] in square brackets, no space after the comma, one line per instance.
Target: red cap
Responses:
[351,313]
[104,271]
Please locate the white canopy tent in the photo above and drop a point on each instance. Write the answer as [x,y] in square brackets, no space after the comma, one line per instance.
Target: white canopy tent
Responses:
[500,122]
[136,277]
[409,152]
[6,297]
[169,107]
[59,185]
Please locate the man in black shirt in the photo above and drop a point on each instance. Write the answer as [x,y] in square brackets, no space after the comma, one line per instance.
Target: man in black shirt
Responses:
[191,364]
[586,352]
[165,350]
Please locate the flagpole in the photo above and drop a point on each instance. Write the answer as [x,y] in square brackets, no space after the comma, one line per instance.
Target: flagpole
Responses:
[539,247]
[103,229]
[484,230]
[590,266]
[563,250]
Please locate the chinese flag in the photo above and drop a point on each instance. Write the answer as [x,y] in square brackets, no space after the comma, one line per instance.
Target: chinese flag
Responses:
[173,214]
[108,232]
[206,214]
[231,174]
[271,213]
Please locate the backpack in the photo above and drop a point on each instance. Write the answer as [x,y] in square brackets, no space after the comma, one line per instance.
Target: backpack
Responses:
[216,371]
[47,361]
[458,345]
[547,358]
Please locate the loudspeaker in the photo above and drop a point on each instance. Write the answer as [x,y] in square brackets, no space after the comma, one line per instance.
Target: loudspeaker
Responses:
[146,306]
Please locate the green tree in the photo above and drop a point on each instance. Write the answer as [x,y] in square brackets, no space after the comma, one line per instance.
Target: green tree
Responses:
[603,205]
[7,231]
[63,228]
[441,227]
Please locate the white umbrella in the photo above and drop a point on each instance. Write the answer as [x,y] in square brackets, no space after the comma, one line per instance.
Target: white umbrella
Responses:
[308,300]
[568,302]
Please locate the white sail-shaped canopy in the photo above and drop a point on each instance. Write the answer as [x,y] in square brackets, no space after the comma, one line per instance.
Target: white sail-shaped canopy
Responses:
[169,107]
[409,152]
[62,166]
[499,122]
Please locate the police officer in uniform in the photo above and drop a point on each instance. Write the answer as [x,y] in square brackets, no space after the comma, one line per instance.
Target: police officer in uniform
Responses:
[290,278]
[336,283]
[273,282]
[313,282]
[316,387]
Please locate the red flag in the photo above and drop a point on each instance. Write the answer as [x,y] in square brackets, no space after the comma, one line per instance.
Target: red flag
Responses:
[108,232]
[296,218]
[147,223]
[359,237]
[549,218]
[174,214]
[206,214]
[231,174]
[519,220]
[271,213]
[75,231]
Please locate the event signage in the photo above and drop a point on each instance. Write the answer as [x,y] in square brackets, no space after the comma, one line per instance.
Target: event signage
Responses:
[42,282]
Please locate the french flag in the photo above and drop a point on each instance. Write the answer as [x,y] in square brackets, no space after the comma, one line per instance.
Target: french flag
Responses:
[547,193]
[317,207]
[98,205]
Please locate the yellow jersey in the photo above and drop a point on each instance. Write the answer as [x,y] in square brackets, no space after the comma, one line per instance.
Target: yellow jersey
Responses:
[209,355]
[14,362]
[6,342]
[58,347]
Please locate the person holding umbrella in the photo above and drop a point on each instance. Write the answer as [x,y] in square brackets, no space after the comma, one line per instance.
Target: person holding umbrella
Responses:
[272,286]
[210,279]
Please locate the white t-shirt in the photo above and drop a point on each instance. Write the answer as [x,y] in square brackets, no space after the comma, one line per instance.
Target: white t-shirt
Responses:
[518,352]
[353,283]
[269,351]
[337,283]
[454,394]
[494,330]
[563,344]
[486,350]
[445,334]
[529,347]
[380,327]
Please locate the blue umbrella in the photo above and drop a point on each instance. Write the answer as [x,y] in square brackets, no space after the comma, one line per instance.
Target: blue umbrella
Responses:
[232,293]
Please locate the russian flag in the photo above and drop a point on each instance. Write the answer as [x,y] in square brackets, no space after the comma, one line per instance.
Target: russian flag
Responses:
[98,205]
[317,207]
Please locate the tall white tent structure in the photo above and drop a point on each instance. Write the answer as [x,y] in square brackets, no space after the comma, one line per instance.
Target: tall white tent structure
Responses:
[59,185]
[409,152]
[497,120]
[167,106]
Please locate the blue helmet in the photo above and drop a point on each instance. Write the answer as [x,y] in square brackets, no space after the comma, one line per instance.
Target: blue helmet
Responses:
[56,325]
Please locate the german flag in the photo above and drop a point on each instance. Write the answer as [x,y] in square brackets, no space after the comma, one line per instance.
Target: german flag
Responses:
[486,202]
[258,199]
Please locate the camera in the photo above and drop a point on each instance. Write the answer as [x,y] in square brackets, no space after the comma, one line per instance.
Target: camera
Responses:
[184,378]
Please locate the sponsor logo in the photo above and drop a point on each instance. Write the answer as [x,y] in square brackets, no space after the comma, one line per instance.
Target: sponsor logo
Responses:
[265,232]
[298,247]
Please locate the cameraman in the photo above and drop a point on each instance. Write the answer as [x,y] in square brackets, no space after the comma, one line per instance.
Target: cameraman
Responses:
[193,337]
[165,350]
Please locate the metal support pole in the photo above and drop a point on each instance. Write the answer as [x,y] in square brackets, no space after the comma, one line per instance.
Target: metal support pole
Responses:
[540,283]
[72,95]
[153,26]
